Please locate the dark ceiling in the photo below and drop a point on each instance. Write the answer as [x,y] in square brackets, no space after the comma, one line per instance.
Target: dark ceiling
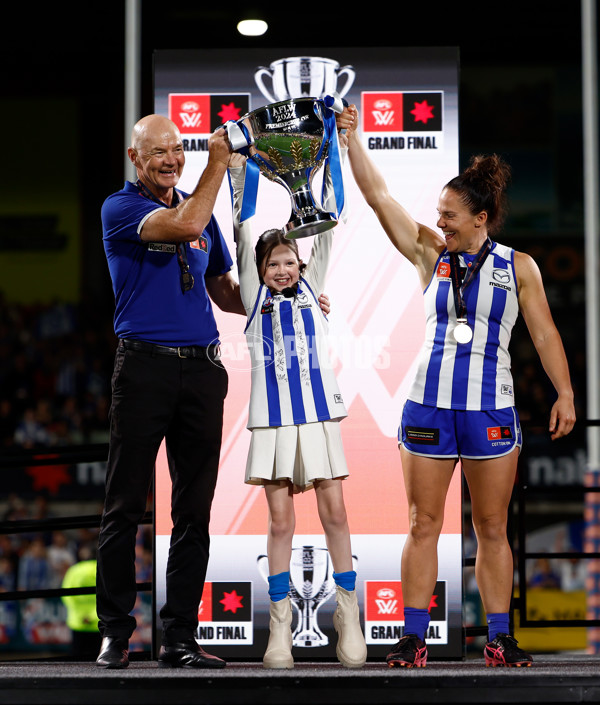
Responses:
[50,49]
[76,52]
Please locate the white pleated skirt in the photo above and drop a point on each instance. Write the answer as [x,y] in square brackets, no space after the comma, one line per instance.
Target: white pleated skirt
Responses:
[300,454]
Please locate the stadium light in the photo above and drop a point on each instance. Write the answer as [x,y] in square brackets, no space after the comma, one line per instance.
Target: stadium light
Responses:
[252,27]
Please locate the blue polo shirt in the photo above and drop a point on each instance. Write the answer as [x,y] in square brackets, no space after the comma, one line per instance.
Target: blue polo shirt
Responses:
[149,303]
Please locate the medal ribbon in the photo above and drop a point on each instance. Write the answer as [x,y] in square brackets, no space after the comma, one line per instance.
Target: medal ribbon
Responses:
[458,287]
[187,280]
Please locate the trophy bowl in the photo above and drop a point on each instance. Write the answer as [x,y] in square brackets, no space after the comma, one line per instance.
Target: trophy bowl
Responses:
[302,76]
[290,145]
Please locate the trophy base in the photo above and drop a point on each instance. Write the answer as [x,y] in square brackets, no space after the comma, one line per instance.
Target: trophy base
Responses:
[309,225]
[310,638]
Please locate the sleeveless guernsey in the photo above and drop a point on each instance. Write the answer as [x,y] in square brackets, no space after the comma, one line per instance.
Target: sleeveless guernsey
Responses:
[292,377]
[476,375]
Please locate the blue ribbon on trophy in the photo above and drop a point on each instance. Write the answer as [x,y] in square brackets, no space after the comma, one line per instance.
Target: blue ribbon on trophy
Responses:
[333,164]
[288,142]
[241,141]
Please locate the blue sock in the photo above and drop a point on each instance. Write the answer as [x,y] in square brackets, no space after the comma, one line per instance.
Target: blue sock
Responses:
[416,621]
[497,624]
[279,586]
[346,580]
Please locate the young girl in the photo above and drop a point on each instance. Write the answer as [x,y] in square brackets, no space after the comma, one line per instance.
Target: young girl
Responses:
[295,409]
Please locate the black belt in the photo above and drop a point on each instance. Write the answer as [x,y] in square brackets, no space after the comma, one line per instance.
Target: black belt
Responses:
[198,352]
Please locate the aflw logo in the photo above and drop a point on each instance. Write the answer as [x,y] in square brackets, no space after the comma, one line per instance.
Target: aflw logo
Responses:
[190,119]
[383,118]
[386,601]
[383,113]
[387,606]
[202,113]
[397,111]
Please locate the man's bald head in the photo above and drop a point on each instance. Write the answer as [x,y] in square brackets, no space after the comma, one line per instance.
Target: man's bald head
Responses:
[157,153]
[150,129]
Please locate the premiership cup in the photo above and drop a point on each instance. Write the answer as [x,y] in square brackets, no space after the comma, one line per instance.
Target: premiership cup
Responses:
[303,76]
[290,144]
[311,585]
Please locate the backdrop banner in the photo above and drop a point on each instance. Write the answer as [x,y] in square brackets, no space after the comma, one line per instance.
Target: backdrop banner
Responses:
[408,103]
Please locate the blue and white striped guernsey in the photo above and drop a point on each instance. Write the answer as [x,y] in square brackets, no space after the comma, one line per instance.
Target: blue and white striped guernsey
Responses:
[292,377]
[475,375]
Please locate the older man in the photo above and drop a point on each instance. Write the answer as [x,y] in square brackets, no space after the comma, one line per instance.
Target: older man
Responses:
[167,260]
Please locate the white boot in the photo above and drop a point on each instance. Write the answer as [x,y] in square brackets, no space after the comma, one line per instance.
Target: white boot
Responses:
[351,648]
[279,648]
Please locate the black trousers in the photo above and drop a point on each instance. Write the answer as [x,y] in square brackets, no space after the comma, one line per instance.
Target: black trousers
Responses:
[180,400]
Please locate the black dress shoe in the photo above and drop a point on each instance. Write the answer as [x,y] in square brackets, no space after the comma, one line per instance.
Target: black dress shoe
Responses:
[187,654]
[114,653]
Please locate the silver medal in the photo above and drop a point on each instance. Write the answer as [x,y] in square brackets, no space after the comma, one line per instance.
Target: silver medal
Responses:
[462,333]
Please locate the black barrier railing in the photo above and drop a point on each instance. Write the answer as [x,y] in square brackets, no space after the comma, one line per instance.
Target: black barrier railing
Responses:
[27,526]
[522,493]
[54,456]
[520,601]
[99,452]
[60,456]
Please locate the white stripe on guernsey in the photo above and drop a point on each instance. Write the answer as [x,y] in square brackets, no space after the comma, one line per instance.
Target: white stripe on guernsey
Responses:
[447,367]
[495,312]
[292,377]
[258,408]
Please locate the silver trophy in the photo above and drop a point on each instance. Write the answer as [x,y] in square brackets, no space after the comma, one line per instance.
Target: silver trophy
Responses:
[311,584]
[290,141]
[303,76]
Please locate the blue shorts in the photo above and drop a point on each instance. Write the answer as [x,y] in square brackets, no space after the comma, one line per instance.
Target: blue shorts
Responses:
[448,433]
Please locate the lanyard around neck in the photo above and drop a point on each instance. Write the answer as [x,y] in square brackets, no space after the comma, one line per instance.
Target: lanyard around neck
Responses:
[187,279]
[145,191]
[458,287]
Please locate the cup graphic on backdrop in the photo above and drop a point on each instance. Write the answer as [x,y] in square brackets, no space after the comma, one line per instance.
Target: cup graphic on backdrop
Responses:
[311,585]
[303,76]
[289,142]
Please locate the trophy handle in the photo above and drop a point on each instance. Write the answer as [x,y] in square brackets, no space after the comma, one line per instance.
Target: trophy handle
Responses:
[258,74]
[262,563]
[350,75]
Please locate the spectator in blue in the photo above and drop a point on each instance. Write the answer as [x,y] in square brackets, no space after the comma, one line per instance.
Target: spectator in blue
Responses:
[544,575]
[34,569]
